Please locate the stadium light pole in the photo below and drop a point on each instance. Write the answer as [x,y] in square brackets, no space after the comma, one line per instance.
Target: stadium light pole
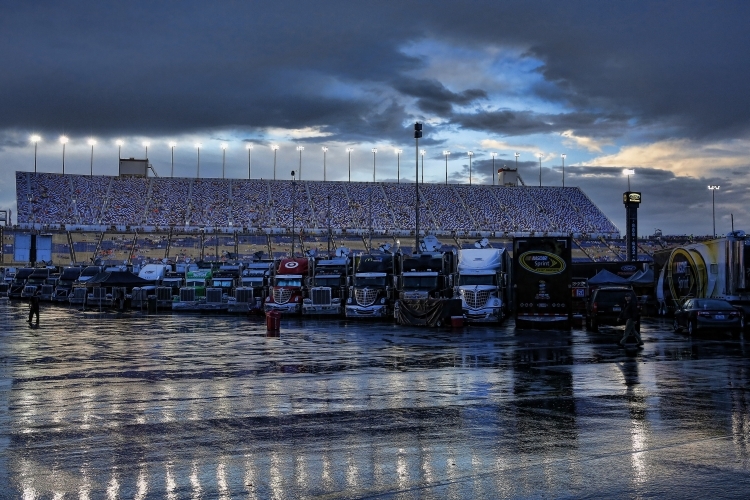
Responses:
[63,141]
[223,158]
[446,153]
[249,150]
[119,148]
[713,189]
[294,202]
[493,155]
[517,155]
[92,142]
[198,147]
[374,150]
[470,153]
[275,148]
[540,155]
[563,163]
[325,149]
[349,150]
[300,149]
[146,144]
[422,152]
[398,165]
[172,146]
[628,172]
[35,139]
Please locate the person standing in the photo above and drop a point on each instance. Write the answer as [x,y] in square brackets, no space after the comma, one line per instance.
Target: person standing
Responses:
[629,313]
[34,307]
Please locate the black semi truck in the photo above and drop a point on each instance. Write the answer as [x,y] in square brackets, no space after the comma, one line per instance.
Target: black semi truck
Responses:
[542,282]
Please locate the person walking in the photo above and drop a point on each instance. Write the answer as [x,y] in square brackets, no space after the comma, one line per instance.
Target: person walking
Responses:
[629,313]
[34,307]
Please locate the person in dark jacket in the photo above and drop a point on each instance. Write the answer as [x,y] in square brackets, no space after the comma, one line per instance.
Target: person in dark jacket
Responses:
[629,314]
[34,307]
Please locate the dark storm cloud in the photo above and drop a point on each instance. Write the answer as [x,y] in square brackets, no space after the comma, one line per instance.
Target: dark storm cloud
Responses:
[681,63]
[433,97]
[160,67]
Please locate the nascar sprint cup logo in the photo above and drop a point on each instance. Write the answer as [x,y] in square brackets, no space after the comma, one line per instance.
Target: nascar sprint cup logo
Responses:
[542,262]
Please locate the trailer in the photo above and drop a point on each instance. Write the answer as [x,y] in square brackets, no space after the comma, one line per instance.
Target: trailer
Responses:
[542,282]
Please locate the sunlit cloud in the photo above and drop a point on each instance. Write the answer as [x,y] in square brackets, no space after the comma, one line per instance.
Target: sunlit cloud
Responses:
[681,156]
[589,143]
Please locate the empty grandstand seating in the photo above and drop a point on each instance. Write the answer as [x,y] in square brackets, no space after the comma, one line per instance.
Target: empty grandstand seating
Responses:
[55,199]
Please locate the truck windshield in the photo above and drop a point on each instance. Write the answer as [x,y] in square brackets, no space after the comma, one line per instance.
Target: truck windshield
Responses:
[254,282]
[373,281]
[332,281]
[420,282]
[222,283]
[288,281]
[473,279]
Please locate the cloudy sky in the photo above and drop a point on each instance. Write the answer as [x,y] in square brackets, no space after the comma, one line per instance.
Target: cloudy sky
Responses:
[661,87]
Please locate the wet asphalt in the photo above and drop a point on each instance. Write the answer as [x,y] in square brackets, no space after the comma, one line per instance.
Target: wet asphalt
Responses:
[99,405]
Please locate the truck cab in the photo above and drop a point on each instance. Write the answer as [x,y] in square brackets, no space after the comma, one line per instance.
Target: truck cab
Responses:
[482,282]
[426,275]
[68,276]
[328,287]
[371,294]
[19,282]
[34,282]
[194,290]
[288,286]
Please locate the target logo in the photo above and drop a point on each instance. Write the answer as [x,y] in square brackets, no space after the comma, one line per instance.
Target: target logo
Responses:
[291,265]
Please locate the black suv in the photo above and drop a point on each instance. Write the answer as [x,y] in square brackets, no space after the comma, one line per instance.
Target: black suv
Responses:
[605,304]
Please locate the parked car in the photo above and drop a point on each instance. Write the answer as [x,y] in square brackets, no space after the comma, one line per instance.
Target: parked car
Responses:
[708,314]
[605,305]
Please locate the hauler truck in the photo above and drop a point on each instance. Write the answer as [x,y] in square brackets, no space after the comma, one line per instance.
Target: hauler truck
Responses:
[371,294]
[482,282]
[289,286]
[328,291]
[542,282]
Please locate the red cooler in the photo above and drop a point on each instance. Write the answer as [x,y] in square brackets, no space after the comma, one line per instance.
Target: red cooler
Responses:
[273,321]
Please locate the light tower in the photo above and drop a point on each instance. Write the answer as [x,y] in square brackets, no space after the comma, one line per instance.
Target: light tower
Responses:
[275,148]
[35,139]
[398,165]
[540,155]
[92,143]
[325,149]
[374,151]
[422,152]
[300,149]
[516,155]
[119,143]
[171,147]
[63,141]
[563,165]
[446,153]
[146,144]
[198,147]
[223,158]
[493,155]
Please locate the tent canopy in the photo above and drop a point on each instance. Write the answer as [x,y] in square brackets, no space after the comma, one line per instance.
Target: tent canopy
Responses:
[643,277]
[605,277]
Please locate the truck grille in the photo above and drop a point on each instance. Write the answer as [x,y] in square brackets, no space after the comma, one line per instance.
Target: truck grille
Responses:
[282,295]
[365,296]
[243,294]
[213,295]
[476,298]
[187,294]
[321,296]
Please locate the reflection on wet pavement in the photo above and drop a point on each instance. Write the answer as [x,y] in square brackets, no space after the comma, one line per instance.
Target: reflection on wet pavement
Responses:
[97,405]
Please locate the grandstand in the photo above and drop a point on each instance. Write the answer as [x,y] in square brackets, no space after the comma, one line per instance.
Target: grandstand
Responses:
[141,219]
[56,201]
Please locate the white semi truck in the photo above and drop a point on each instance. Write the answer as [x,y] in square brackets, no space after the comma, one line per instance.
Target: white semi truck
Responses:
[482,283]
